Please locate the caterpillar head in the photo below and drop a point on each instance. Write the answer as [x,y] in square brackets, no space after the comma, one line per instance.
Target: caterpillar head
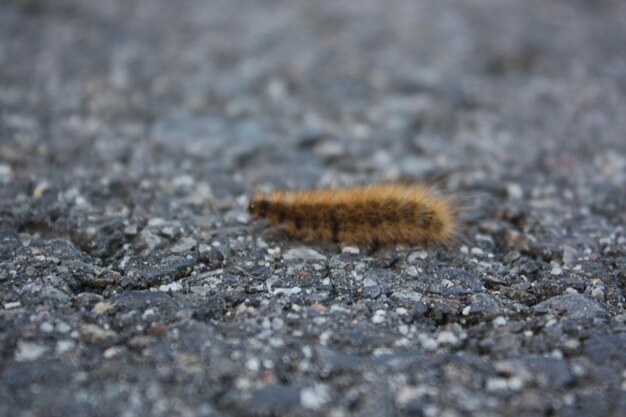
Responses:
[259,207]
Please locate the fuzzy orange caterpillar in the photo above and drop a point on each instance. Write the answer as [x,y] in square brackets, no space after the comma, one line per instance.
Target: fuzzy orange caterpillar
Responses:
[370,216]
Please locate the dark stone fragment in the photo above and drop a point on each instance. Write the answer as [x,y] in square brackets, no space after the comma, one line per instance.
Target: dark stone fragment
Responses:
[486,345]
[100,239]
[214,258]
[93,276]
[212,308]
[260,271]
[88,298]
[444,312]
[371,291]
[554,287]
[63,249]
[464,278]
[148,271]
[130,305]
[421,309]
[231,279]
[484,307]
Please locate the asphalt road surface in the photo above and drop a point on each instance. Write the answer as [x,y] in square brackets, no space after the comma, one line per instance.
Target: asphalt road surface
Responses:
[134,132]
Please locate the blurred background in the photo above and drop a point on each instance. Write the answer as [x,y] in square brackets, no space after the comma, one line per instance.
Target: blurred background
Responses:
[246,94]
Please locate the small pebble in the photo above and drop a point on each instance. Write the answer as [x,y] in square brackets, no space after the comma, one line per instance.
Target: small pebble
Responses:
[417,255]
[350,250]
[313,398]
[5,173]
[130,230]
[514,191]
[101,308]
[428,343]
[46,327]
[27,351]
[184,245]
[379,317]
[12,304]
[598,294]
[303,253]
[447,338]
[499,321]
[63,346]
[253,364]
[63,327]
[556,268]
[172,286]
[111,352]
[287,291]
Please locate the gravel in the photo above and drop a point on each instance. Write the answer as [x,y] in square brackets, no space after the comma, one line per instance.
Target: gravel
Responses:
[133,135]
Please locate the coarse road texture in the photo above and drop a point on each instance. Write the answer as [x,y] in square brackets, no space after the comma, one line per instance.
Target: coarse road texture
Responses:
[134,132]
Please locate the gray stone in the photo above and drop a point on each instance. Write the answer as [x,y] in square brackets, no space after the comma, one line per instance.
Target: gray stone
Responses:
[573,305]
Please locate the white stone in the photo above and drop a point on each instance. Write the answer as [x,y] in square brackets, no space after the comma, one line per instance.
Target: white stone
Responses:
[63,346]
[407,394]
[183,181]
[556,268]
[313,398]
[417,255]
[156,222]
[27,351]
[46,327]
[253,364]
[598,294]
[184,245]
[5,173]
[514,191]
[350,250]
[499,321]
[412,271]
[402,311]
[447,338]
[407,295]
[111,352]
[287,291]
[428,343]
[497,384]
[12,304]
[303,253]
[447,283]
[63,327]
[172,286]
[379,316]
[274,251]
[130,230]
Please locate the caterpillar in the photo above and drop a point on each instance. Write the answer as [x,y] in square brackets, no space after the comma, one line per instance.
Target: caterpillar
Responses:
[370,216]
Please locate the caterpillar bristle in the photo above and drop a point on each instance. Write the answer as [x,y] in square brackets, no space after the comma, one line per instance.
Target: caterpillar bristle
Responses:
[371,216]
